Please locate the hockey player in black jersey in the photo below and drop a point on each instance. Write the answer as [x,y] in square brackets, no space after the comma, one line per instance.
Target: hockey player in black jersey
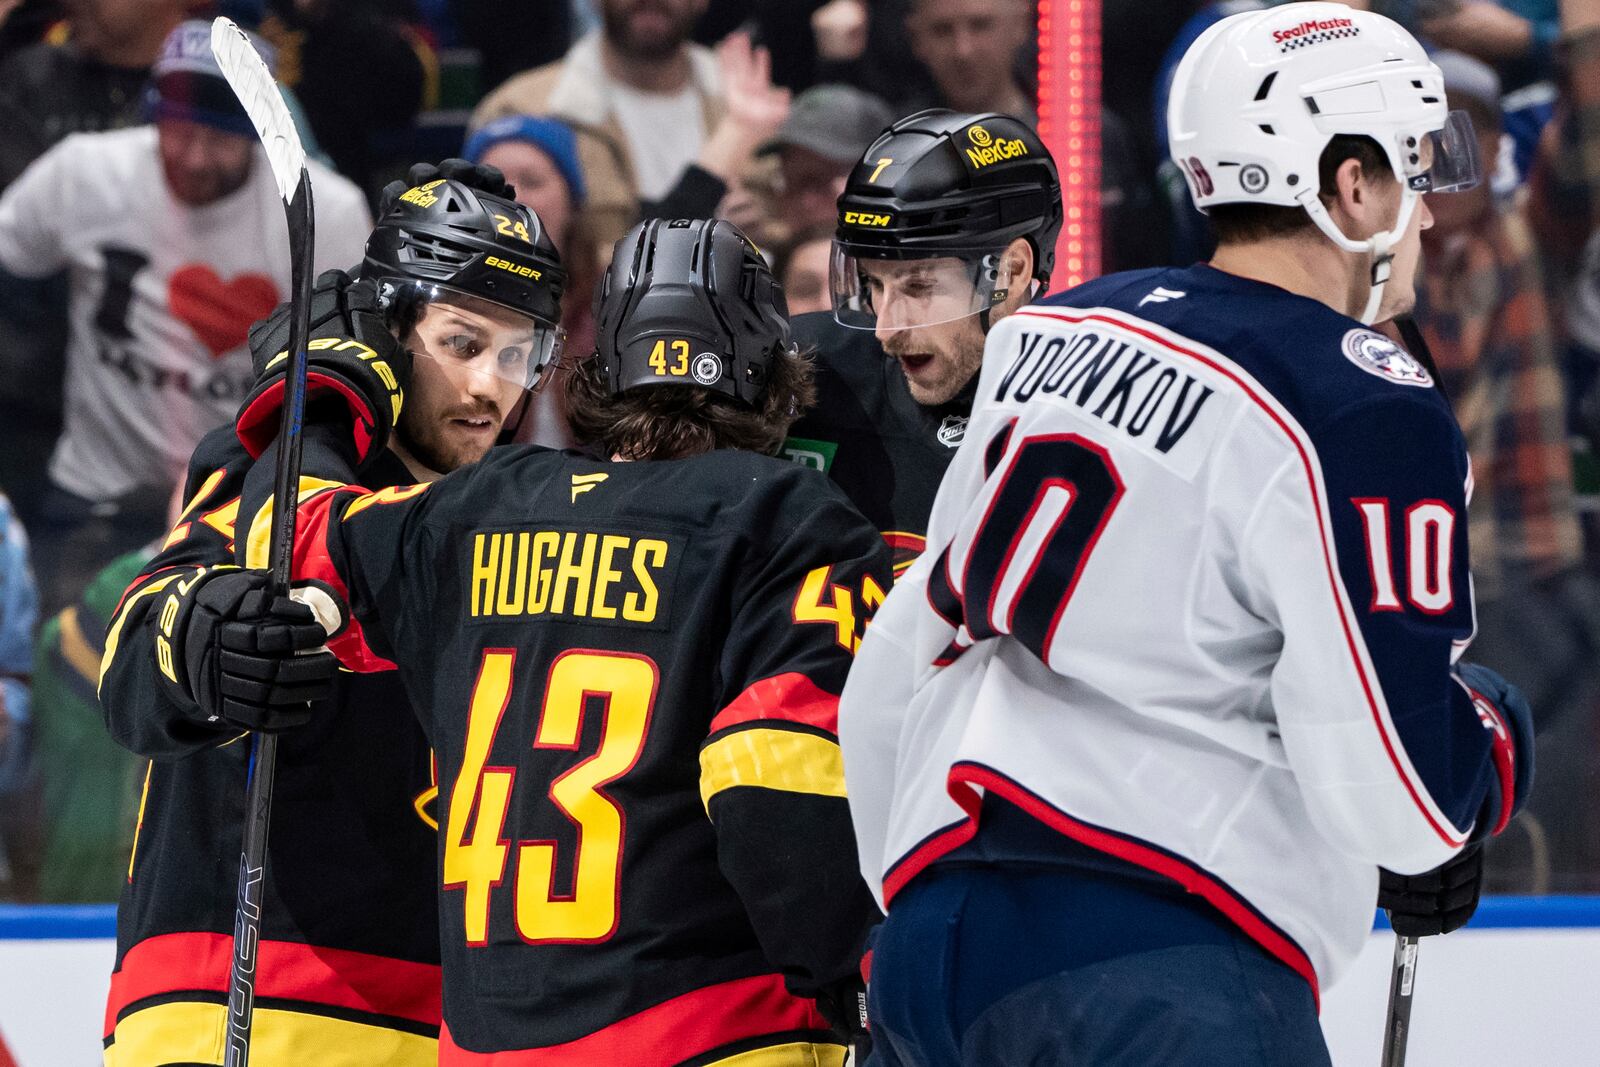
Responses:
[628,667]
[948,224]
[349,961]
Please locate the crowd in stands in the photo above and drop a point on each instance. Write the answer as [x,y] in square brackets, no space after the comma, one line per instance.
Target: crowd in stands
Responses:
[139,239]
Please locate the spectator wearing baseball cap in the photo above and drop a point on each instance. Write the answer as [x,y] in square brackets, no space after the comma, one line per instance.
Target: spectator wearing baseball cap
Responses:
[828,128]
[171,235]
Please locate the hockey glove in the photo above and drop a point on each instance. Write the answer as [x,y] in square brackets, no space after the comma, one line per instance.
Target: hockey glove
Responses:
[356,369]
[1436,901]
[479,176]
[240,657]
[844,1005]
[1504,712]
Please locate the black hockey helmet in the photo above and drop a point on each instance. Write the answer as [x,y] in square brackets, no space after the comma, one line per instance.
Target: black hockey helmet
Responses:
[690,302]
[445,241]
[942,184]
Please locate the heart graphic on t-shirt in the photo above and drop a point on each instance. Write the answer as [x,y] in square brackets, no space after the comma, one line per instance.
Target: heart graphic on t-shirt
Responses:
[219,312]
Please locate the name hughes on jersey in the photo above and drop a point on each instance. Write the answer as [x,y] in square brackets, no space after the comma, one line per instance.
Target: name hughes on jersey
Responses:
[1144,393]
[580,574]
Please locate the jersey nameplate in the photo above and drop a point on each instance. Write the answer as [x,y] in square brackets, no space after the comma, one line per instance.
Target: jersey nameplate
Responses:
[1149,397]
[601,576]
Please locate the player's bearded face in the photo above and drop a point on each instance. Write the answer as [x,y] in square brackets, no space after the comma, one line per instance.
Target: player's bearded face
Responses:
[649,29]
[939,359]
[468,375]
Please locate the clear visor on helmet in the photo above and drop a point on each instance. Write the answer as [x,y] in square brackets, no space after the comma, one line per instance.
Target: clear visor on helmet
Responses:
[466,334]
[901,294]
[1444,160]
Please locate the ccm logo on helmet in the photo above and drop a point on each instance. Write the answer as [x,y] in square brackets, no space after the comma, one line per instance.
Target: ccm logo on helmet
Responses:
[987,149]
[518,269]
[1314,31]
[862,218]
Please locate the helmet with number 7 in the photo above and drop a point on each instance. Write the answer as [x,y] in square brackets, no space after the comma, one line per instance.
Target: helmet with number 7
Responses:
[1260,94]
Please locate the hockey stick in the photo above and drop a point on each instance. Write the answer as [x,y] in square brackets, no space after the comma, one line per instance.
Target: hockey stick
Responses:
[1403,975]
[1402,980]
[253,84]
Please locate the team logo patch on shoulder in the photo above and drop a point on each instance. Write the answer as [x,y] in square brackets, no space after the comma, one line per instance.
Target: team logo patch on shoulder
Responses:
[1376,354]
[952,431]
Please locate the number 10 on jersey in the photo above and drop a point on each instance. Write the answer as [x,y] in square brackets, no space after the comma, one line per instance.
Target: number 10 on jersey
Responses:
[475,860]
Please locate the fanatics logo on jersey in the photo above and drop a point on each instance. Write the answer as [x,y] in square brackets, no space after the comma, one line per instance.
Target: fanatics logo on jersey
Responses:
[1160,295]
[582,483]
[1376,354]
[952,431]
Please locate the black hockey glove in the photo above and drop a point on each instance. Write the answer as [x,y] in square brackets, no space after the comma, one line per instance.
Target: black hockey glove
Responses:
[1504,712]
[238,656]
[1436,901]
[844,1005]
[479,176]
[356,369]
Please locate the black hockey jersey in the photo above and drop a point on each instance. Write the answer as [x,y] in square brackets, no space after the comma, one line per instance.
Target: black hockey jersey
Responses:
[349,960]
[886,451]
[629,672]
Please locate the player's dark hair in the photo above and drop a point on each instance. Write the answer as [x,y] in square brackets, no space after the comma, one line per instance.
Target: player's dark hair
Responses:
[672,422]
[1244,223]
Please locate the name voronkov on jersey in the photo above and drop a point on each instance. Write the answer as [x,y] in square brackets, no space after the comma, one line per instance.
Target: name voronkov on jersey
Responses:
[1078,367]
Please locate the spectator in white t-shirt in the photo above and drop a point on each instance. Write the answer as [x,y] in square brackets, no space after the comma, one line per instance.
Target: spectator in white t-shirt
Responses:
[173,239]
[664,126]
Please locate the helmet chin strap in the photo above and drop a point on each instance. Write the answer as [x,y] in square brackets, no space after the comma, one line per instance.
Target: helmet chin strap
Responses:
[1380,246]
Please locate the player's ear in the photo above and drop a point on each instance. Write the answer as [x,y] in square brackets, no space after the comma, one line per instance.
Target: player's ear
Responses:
[1352,201]
[1016,273]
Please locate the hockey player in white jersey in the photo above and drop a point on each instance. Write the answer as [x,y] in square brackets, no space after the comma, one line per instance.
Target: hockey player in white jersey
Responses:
[1179,670]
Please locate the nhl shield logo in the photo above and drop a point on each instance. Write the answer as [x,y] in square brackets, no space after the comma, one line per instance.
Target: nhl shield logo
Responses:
[707,369]
[952,430]
[1376,354]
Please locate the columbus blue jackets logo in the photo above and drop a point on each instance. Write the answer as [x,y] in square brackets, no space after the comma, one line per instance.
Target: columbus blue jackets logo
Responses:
[1376,354]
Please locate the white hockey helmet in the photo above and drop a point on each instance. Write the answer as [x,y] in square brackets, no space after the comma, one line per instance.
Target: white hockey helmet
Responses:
[1260,94]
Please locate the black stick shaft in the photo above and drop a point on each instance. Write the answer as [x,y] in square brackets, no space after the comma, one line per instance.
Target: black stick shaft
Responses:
[280,557]
[1402,982]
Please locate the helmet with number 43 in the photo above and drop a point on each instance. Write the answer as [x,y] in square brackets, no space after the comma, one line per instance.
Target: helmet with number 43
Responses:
[1260,94]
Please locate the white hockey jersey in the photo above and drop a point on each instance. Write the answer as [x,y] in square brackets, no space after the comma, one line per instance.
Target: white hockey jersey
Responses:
[1193,588]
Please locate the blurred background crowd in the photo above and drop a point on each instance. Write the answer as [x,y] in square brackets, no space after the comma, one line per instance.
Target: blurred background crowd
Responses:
[137,244]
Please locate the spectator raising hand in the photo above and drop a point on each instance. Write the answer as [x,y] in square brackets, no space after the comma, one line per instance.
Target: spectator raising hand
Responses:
[1480,28]
[755,108]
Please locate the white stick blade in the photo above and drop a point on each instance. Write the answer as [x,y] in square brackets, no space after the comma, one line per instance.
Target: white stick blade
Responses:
[253,84]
